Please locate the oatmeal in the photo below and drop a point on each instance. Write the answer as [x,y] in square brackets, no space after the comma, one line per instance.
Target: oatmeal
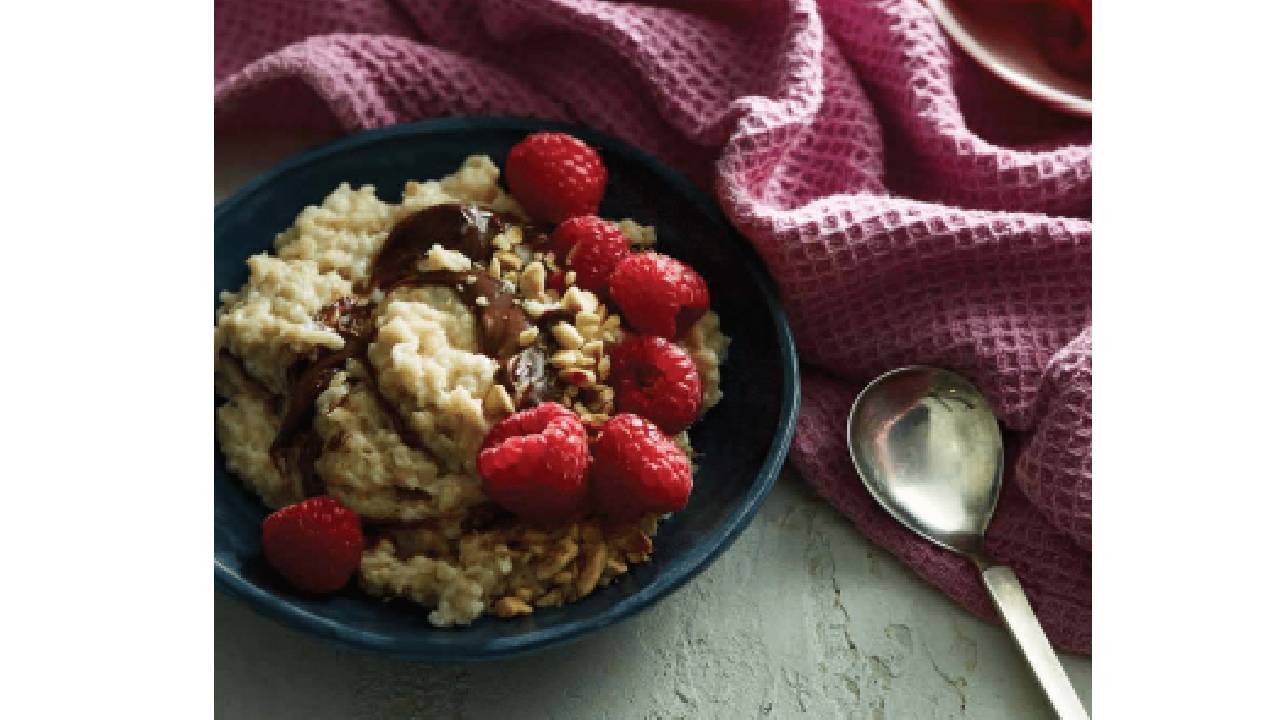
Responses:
[372,355]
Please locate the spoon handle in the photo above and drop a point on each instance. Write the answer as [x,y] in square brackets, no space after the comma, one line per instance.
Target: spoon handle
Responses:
[1012,603]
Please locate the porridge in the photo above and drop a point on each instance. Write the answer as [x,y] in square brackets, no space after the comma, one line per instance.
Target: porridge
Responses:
[459,381]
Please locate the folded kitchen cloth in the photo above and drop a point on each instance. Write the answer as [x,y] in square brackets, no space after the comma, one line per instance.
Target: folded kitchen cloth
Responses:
[911,208]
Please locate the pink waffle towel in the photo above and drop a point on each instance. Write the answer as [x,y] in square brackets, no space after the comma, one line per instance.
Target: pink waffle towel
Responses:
[911,208]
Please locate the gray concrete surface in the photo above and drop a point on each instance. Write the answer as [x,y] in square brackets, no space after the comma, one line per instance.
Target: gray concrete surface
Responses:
[801,618]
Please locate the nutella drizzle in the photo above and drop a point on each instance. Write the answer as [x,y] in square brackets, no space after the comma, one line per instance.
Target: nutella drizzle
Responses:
[353,323]
[499,320]
[309,449]
[499,324]
[468,230]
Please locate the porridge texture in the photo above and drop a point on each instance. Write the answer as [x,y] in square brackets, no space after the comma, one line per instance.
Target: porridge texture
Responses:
[369,356]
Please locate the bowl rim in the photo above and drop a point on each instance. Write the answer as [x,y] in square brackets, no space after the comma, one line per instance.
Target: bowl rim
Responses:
[1054,97]
[701,555]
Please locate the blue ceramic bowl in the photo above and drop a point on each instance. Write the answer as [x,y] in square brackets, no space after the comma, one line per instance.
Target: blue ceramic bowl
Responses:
[743,440]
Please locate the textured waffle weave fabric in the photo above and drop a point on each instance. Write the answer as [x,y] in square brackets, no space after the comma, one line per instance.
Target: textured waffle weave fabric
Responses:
[911,209]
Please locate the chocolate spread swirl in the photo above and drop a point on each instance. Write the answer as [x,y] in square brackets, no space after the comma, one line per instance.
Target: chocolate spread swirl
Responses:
[499,324]
[468,230]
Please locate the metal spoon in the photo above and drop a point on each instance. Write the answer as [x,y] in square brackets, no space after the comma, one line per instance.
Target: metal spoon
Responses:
[928,449]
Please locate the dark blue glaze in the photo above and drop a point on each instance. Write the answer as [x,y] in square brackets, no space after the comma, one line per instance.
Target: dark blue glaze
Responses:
[743,440]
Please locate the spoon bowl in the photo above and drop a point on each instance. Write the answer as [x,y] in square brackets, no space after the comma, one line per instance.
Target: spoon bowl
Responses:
[928,447]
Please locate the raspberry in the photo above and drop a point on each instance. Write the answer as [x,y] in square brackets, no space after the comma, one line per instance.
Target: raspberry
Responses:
[592,247]
[534,464]
[315,544]
[657,294]
[555,176]
[657,379]
[635,470]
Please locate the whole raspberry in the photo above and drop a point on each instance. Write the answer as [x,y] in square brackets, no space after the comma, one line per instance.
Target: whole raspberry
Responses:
[635,470]
[555,176]
[314,544]
[657,294]
[657,379]
[534,464]
[592,248]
